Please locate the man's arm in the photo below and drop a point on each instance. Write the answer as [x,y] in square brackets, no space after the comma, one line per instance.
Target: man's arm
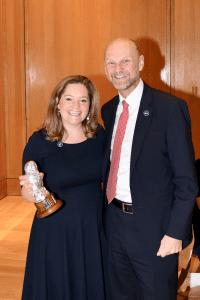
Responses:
[181,155]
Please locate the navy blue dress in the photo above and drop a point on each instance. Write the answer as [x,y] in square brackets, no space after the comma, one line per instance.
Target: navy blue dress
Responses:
[66,257]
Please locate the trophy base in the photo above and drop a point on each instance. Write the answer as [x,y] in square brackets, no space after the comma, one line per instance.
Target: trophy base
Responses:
[48,206]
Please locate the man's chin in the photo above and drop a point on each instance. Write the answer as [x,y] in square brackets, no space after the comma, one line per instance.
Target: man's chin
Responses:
[127,86]
[119,86]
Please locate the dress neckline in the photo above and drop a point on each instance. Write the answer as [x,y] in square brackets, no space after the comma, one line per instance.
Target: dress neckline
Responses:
[75,143]
[61,144]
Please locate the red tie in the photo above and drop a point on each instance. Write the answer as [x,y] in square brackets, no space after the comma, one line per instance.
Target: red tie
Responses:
[116,152]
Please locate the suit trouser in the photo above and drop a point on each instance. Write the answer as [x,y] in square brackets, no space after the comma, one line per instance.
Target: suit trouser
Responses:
[135,272]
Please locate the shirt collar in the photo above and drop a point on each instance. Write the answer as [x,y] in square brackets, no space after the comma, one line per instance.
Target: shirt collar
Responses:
[135,96]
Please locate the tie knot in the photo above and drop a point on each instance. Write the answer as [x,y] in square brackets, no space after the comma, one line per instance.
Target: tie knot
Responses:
[125,104]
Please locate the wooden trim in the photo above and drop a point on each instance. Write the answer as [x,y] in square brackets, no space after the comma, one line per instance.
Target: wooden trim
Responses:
[26,65]
[14,85]
[172,47]
[3,189]
[13,187]
[168,45]
[3,172]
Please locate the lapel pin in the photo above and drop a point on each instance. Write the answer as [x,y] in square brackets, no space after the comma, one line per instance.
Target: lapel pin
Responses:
[59,144]
[146,113]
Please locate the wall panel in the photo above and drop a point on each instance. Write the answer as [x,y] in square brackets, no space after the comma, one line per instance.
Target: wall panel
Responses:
[14,83]
[62,38]
[3,187]
[186,60]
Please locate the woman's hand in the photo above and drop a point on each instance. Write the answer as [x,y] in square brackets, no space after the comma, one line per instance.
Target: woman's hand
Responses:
[26,190]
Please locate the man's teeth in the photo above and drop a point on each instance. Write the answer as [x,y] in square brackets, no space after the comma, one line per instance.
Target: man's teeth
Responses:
[121,76]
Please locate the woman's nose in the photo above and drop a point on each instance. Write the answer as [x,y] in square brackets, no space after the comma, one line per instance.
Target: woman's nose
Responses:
[76,104]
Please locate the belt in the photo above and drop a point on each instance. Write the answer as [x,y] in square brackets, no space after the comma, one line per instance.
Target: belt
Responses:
[126,207]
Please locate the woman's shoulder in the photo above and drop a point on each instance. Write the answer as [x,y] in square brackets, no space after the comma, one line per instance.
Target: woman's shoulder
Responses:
[101,130]
[38,136]
[101,134]
[34,149]
[37,141]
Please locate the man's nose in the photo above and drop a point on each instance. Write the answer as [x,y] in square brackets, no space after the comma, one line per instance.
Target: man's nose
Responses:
[118,68]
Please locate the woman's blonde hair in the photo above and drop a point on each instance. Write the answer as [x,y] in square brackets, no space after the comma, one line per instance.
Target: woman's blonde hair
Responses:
[53,124]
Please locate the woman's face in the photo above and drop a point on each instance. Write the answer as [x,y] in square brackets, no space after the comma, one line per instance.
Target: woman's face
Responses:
[74,105]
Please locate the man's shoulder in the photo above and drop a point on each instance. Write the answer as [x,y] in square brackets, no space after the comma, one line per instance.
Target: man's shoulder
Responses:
[158,94]
[111,103]
[160,97]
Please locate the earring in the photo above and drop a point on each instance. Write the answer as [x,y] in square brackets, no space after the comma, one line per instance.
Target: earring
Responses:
[88,118]
[58,112]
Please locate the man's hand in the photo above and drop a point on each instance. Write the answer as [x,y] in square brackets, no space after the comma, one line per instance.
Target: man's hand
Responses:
[169,246]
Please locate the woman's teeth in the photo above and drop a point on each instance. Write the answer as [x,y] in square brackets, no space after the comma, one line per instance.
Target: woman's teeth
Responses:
[74,113]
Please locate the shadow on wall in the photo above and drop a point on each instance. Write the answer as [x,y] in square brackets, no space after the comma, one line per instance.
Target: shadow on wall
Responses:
[156,71]
[154,63]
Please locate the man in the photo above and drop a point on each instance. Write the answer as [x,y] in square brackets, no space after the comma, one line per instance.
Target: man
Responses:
[196,214]
[149,180]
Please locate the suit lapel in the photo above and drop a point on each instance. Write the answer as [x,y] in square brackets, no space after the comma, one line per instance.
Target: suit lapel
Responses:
[143,120]
[109,129]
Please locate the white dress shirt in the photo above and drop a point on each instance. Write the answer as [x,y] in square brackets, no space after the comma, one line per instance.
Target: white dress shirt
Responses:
[123,176]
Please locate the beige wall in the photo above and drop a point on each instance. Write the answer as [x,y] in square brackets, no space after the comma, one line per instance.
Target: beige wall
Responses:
[45,41]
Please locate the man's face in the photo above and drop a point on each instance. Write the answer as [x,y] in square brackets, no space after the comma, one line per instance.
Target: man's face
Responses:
[123,65]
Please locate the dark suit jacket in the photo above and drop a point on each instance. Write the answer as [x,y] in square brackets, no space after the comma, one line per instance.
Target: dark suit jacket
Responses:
[196,214]
[162,174]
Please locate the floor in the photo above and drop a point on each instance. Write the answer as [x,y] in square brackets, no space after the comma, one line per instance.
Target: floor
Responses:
[16,217]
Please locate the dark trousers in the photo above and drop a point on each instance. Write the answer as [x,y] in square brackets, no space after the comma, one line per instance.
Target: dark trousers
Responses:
[135,272]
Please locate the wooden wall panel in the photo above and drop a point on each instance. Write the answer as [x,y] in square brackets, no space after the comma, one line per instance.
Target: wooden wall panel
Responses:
[13,187]
[3,189]
[186,60]
[14,84]
[69,37]
[62,38]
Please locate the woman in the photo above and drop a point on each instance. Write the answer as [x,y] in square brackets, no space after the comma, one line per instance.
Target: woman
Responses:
[66,255]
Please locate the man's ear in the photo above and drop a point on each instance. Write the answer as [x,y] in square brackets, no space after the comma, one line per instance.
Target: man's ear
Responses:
[141,62]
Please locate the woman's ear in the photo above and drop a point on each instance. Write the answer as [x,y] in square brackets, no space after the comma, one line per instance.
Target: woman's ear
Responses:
[57,102]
